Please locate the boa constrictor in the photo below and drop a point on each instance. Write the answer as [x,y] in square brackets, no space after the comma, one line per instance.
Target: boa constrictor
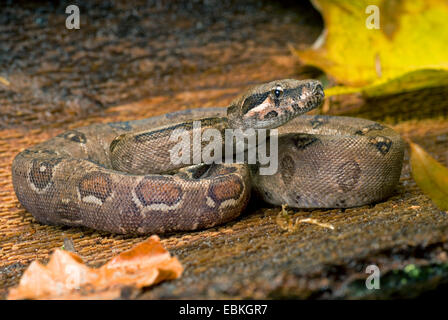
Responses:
[109,176]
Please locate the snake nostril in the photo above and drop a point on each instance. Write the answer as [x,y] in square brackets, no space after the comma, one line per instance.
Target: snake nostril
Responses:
[319,90]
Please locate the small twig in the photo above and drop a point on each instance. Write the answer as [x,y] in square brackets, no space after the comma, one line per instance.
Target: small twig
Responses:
[285,222]
[314,221]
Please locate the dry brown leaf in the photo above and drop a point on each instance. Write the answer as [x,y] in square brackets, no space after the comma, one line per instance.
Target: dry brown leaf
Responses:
[67,277]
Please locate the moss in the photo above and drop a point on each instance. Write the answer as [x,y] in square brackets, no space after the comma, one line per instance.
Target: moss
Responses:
[407,282]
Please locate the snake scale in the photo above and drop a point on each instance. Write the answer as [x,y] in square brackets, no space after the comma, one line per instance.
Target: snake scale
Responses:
[117,177]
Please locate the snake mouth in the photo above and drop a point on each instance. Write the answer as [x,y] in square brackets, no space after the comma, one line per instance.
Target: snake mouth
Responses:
[315,92]
[313,99]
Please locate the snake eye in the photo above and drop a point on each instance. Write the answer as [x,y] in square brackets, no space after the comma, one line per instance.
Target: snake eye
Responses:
[278,91]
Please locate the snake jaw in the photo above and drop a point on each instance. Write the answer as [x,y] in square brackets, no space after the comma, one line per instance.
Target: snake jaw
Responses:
[311,97]
[271,105]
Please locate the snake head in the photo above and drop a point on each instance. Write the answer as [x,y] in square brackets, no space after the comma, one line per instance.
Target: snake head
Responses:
[272,104]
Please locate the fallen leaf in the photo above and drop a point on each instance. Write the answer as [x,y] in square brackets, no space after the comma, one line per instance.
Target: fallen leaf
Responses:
[409,51]
[408,82]
[67,277]
[430,176]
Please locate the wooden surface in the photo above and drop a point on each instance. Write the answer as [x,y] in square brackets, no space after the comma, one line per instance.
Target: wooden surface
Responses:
[183,55]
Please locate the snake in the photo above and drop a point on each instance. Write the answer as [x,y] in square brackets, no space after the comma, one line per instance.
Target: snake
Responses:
[118,177]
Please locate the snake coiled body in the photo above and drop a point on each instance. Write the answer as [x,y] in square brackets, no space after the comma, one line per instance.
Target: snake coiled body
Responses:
[118,177]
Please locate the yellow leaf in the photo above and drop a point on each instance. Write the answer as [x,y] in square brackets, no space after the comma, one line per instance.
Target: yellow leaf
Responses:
[430,176]
[408,82]
[409,50]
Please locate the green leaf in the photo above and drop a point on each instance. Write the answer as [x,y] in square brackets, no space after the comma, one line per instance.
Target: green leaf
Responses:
[430,176]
